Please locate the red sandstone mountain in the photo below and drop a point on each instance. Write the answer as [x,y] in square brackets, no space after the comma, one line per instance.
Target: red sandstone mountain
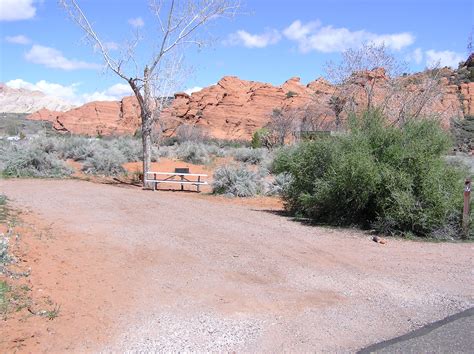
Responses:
[96,118]
[235,108]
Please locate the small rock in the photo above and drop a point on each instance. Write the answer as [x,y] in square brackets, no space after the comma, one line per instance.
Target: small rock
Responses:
[379,240]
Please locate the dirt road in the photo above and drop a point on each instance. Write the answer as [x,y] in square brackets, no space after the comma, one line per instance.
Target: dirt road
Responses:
[138,270]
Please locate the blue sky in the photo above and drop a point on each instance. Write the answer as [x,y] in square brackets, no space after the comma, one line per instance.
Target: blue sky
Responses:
[270,42]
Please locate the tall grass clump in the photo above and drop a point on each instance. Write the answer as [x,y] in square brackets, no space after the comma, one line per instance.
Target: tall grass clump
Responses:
[236,181]
[377,175]
[33,159]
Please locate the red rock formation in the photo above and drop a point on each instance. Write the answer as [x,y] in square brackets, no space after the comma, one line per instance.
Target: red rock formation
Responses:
[96,118]
[235,108]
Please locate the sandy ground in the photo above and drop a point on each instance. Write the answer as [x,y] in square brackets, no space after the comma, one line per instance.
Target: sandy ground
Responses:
[140,270]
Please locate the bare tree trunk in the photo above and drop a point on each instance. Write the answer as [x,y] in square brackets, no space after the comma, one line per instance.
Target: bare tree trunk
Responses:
[147,121]
[146,142]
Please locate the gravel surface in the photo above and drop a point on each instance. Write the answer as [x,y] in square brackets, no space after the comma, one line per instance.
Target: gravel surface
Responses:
[211,276]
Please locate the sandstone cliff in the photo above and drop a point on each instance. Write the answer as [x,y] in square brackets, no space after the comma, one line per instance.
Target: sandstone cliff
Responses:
[235,108]
[95,118]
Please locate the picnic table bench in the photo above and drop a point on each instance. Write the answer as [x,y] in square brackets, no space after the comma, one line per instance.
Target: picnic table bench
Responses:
[182,173]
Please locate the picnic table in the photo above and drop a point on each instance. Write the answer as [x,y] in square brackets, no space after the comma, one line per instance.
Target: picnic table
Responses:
[180,176]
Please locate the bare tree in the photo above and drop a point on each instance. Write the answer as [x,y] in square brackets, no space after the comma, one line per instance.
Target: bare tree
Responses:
[337,106]
[282,124]
[179,24]
[372,74]
[414,96]
[363,68]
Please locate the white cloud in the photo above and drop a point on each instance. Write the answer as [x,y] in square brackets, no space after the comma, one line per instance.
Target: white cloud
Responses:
[19,39]
[67,93]
[270,36]
[297,31]
[136,22]
[13,10]
[312,36]
[415,56]
[119,90]
[53,58]
[70,93]
[193,89]
[443,58]
[396,41]
[113,93]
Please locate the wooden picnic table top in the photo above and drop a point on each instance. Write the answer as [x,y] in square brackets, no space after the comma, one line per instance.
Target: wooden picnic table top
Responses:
[177,173]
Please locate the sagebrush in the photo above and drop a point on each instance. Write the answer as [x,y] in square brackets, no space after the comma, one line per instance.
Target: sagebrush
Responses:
[236,181]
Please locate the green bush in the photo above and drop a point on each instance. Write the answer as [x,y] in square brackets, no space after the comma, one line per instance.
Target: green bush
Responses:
[377,175]
[236,181]
[259,138]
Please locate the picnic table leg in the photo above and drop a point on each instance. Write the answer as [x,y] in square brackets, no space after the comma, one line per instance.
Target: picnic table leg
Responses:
[182,179]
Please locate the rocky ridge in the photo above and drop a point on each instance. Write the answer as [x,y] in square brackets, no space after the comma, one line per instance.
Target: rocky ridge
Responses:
[26,101]
[234,108]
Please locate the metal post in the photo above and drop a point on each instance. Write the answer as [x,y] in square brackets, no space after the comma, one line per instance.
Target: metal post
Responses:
[199,181]
[182,179]
[467,200]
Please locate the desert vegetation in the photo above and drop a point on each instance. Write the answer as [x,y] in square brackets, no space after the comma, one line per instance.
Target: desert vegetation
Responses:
[394,180]
[45,156]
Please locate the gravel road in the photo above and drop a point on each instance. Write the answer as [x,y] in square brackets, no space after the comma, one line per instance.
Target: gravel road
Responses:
[176,272]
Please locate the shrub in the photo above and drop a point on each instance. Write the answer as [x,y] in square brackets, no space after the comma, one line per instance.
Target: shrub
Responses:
[377,175]
[195,153]
[186,133]
[246,155]
[12,128]
[4,253]
[279,184]
[31,160]
[77,148]
[132,149]
[463,131]
[215,150]
[167,151]
[282,159]
[105,162]
[3,208]
[236,181]
[259,138]
[229,143]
